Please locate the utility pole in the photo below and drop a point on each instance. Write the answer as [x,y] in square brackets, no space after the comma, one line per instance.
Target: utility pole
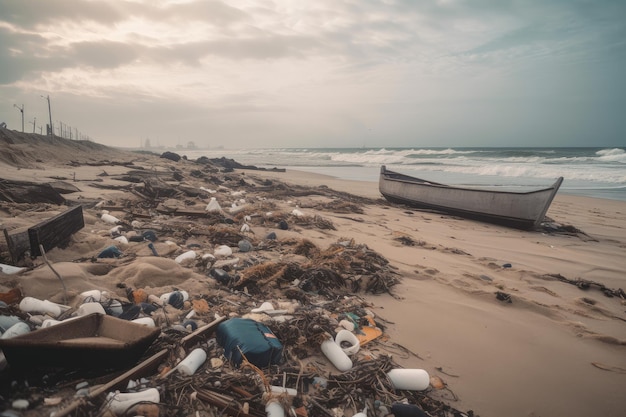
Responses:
[50,114]
[21,109]
[34,122]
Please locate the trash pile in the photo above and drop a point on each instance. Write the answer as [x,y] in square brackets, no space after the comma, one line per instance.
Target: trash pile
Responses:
[263,324]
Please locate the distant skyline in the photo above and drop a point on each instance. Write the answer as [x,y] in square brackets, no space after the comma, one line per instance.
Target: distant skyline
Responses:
[285,73]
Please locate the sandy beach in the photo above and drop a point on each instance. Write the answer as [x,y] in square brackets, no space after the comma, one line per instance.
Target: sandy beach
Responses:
[532,357]
[553,350]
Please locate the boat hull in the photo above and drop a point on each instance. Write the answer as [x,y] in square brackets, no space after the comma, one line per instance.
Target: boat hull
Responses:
[523,210]
[93,342]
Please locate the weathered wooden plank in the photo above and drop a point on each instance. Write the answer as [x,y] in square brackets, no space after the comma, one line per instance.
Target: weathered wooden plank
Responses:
[56,230]
[17,243]
[28,192]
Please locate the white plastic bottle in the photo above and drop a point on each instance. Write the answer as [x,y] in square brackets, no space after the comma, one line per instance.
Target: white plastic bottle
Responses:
[121,402]
[336,355]
[409,379]
[34,305]
[192,362]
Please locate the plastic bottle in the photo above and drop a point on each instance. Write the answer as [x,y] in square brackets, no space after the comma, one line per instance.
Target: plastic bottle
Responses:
[34,305]
[192,362]
[409,379]
[120,402]
[336,355]
[16,330]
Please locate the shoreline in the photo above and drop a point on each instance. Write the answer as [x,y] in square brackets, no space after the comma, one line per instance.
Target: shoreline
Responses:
[554,350]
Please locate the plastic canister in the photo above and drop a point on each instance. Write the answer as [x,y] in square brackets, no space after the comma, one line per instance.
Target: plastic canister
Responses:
[121,402]
[192,362]
[336,355]
[34,305]
[409,379]
[16,330]
[349,338]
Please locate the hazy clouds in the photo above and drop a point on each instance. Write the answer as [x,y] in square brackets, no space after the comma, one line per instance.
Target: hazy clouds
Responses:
[323,73]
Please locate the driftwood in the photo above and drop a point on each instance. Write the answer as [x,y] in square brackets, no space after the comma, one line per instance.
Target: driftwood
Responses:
[28,192]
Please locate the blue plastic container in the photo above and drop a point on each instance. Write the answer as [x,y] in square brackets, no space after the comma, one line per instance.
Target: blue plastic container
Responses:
[255,340]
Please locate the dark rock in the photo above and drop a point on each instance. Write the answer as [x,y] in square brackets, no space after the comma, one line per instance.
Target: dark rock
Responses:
[171,156]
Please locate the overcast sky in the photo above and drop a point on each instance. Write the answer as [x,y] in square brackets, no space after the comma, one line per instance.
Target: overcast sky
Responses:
[319,73]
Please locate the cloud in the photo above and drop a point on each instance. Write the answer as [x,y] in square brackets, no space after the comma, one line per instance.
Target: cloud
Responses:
[280,69]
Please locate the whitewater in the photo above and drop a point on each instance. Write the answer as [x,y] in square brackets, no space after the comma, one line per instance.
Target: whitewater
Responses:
[592,172]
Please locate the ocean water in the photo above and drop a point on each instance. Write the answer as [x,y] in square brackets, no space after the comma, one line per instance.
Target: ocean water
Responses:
[593,172]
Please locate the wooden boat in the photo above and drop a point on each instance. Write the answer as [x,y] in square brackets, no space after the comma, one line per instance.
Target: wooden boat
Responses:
[95,341]
[523,210]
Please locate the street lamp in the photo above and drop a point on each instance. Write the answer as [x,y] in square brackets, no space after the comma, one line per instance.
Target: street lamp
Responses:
[50,114]
[21,109]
